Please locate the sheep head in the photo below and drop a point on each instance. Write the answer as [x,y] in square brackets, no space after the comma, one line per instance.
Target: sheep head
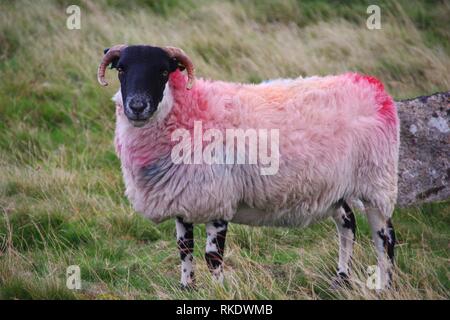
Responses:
[143,73]
[113,53]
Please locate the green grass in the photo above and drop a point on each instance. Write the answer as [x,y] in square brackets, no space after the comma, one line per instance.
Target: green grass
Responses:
[61,191]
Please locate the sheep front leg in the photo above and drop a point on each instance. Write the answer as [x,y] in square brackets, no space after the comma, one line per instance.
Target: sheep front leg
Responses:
[215,242]
[185,242]
[346,226]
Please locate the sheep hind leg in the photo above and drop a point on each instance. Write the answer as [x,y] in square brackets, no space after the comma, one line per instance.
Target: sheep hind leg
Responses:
[346,226]
[215,243]
[185,242]
[383,235]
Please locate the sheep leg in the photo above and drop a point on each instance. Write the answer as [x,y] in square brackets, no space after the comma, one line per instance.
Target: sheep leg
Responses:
[383,235]
[185,242]
[346,226]
[215,243]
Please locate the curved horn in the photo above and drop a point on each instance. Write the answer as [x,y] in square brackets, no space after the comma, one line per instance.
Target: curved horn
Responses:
[113,53]
[185,60]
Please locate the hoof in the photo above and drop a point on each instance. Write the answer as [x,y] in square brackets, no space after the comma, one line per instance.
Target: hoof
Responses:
[340,281]
[188,287]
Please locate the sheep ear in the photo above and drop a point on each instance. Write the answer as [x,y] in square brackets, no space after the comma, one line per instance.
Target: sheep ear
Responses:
[175,64]
[113,64]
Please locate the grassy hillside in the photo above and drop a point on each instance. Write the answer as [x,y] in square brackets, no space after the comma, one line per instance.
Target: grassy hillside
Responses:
[61,192]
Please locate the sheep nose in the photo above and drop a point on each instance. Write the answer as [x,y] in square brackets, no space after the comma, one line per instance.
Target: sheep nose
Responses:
[137,105]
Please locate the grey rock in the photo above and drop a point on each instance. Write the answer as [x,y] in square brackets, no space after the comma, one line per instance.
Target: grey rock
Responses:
[424,165]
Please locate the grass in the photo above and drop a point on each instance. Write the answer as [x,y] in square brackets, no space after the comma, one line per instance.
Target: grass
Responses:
[61,191]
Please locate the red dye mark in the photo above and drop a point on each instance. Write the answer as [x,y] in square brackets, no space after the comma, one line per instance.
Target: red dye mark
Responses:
[371,80]
[387,106]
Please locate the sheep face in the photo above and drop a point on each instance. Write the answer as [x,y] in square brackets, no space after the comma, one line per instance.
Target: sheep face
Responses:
[143,73]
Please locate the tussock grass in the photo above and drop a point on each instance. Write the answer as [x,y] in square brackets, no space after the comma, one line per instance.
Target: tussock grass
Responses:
[61,193]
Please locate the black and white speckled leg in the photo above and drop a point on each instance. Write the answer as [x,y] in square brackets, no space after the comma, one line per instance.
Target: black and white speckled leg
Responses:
[346,226]
[383,235]
[216,232]
[185,242]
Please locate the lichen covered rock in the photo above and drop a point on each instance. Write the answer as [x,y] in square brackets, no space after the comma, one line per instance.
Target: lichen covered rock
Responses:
[424,165]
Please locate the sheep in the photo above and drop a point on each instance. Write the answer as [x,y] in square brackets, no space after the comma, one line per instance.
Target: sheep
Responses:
[338,142]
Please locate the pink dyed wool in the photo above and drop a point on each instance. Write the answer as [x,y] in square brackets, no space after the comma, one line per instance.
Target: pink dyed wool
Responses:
[338,139]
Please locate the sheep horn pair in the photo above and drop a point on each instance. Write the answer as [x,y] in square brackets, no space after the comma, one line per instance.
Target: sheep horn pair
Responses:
[114,52]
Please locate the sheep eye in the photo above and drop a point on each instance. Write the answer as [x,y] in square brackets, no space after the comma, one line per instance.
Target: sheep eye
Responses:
[165,73]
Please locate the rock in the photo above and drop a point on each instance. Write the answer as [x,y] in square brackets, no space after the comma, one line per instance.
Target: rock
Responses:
[424,165]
